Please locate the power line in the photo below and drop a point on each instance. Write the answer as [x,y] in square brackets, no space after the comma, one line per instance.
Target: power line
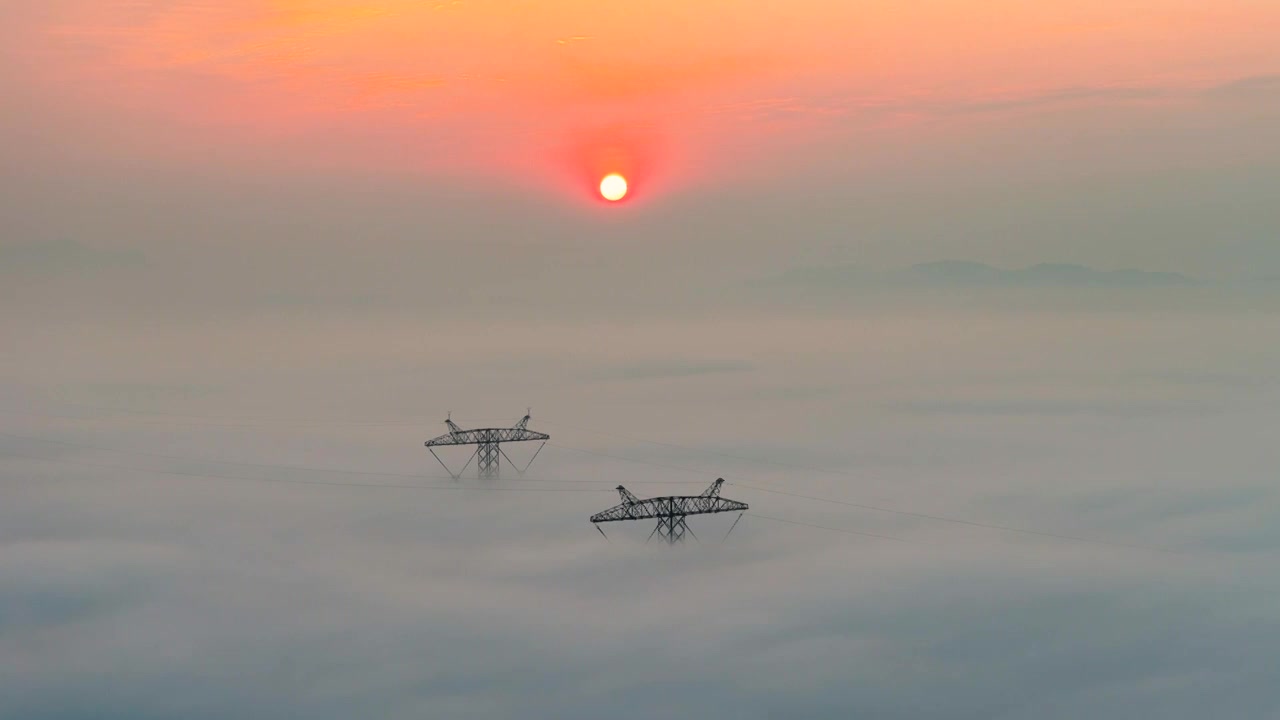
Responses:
[668,466]
[187,458]
[938,518]
[960,521]
[906,513]
[166,420]
[273,466]
[238,419]
[828,527]
[233,420]
[213,476]
[242,421]
[597,453]
[742,458]
[325,483]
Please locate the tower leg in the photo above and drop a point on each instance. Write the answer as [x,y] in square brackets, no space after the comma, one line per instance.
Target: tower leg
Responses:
[488,459]
[672,529]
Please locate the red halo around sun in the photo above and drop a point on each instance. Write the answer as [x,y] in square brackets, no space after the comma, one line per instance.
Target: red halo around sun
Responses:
[592,156]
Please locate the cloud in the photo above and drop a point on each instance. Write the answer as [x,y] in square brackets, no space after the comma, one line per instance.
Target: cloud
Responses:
[1041,275]
[846,105]
[141,594]
[975,275]
[1061,96]
[842,106]
[669,370]
[59,583]
[376,615]
[1256,87]
[1054,408]
[64,255]
[589,79]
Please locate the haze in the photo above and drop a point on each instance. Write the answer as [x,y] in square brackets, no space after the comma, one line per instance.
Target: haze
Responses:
[977,265]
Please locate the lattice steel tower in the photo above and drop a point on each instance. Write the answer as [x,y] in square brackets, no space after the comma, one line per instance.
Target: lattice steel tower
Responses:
[488,442]
[670,511]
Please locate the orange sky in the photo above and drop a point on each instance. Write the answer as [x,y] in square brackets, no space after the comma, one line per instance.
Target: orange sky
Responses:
[667,91]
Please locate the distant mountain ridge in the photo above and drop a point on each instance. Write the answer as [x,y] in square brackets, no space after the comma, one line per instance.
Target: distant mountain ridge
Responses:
[958,273]
[1059,274]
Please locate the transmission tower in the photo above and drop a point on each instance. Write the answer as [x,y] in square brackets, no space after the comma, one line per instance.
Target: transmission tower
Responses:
[488,442]
[670,511]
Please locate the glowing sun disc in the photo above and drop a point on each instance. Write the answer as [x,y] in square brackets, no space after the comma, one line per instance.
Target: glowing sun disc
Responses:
[613,187]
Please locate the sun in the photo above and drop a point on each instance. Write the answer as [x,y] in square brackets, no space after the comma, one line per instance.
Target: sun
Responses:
[613,187]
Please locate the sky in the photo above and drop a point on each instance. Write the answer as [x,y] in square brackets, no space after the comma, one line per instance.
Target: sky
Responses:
[975,304]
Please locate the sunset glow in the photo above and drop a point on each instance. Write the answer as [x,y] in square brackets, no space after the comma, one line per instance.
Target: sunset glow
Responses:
[556,94]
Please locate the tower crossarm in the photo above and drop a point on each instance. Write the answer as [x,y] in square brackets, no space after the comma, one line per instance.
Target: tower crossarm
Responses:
[488,441]
[486,435]
[670,506]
